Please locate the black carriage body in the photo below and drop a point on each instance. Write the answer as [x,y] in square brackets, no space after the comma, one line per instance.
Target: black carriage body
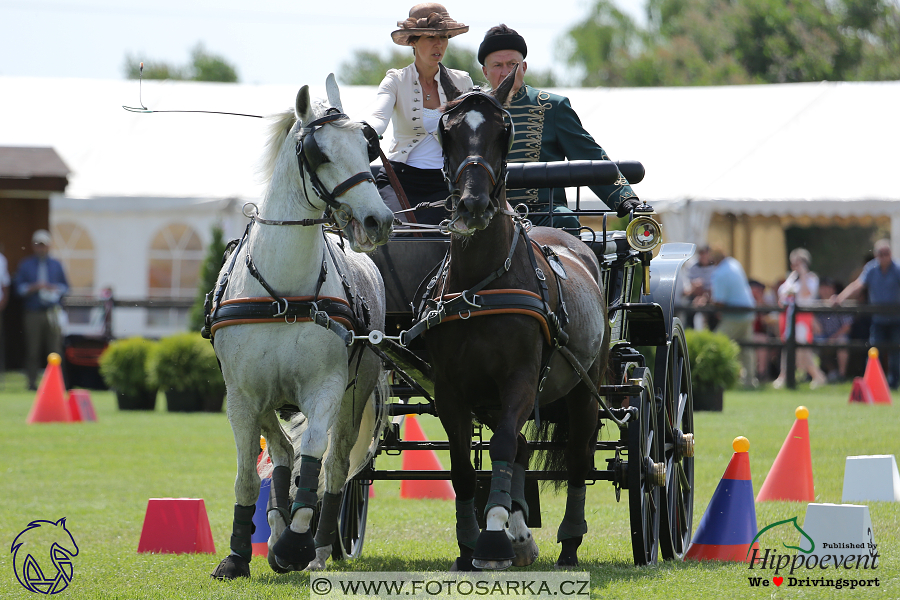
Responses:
[653,456]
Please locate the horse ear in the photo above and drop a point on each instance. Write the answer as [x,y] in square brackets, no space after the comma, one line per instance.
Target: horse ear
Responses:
[303,107]
[334,94]
[502,91]
[450,90]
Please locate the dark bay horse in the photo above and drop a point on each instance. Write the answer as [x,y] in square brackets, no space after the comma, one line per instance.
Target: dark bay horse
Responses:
[516,309]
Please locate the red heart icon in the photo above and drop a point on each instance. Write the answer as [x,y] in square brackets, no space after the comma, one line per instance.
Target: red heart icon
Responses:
[777,580]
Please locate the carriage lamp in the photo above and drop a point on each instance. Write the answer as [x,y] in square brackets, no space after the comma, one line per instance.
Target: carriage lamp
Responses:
[644,234]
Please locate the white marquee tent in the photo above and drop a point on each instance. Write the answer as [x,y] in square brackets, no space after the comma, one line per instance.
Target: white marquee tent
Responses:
[816,149]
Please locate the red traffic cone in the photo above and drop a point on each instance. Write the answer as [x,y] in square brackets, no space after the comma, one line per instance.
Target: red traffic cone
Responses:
[50,402]
[422,460]
[860,392]
[80,406]
[176,526]
[791,476]
[875,379]
[728,526]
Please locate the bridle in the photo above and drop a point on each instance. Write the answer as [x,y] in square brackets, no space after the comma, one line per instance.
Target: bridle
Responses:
[498,179]
[310,157]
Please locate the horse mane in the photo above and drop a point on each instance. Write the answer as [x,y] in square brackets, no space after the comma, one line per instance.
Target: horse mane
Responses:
[280,126]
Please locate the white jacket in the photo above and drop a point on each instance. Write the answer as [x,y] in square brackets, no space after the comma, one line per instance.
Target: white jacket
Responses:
[400,99]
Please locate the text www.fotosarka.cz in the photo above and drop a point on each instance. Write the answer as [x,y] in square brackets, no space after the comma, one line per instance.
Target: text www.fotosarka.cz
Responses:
[411,586]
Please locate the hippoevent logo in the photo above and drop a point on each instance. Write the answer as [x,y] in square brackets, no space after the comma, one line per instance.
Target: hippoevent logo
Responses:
[808,567]
[42,556]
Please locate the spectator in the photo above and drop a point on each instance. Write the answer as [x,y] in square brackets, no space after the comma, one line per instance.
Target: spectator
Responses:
[833,328]
[764,330]
[729,287]
[41,282]
[4,298]
[881,280]
[697,276]
[801,288]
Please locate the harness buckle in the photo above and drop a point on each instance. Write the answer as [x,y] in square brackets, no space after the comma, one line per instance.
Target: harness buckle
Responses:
[472,302]
[540,274]
[281,312]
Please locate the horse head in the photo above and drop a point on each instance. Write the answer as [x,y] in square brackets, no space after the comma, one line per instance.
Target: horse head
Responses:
[333,154]
[476,134]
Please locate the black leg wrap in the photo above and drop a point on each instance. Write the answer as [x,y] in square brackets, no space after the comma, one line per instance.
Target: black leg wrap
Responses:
[293,551]
[307,484]
[493,550]
[281,487]
[501,483]
[241,530]
[517,491]
[326,531]
[573,524]
[466,523]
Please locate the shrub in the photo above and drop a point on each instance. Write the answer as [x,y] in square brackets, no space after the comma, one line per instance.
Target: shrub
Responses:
[713,359]
[123,365]
[186,362]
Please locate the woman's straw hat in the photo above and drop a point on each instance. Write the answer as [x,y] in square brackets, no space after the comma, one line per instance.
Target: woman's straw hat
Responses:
[430,19]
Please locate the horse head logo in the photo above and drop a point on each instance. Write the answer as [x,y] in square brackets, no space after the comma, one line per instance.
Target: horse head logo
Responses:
[812,543]
[40,545]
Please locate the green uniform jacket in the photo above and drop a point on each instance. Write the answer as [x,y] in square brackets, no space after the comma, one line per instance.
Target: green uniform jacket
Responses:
[547,129]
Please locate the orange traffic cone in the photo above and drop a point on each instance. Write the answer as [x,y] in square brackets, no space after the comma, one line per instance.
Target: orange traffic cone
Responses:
[860,392]
[875,379]
[50,402]
[422,460]
[791,476]
[728,527]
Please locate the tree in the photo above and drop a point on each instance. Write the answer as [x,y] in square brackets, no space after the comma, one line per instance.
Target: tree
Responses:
[209,274]
[720,42]
[204,66]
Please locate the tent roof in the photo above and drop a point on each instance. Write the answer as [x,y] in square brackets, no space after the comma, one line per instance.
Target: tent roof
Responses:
[812,148]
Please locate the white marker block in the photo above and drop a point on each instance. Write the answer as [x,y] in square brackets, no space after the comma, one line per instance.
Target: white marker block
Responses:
[871,478]
[839,531]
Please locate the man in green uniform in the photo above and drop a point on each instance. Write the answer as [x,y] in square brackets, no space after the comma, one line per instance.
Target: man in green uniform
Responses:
[547,129]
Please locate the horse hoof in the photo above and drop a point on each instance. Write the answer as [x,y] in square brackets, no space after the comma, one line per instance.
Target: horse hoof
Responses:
[463,564]
[493,550]
[274,563]
[318,563]
[293,551]
[491,565]
[526,552]
[232,567]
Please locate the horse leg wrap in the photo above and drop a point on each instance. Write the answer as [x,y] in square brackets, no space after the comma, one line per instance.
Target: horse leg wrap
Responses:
[517,491]
[501,483]
[242,530]
[573,524]
[307,484]
[466,524]
[280,500]
[328,519]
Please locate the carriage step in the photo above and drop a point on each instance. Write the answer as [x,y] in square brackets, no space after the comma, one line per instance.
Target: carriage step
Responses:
[419,475]
[620,390]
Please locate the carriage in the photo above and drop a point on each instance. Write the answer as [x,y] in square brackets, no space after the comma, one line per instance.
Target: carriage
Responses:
[648,390]
[607,317]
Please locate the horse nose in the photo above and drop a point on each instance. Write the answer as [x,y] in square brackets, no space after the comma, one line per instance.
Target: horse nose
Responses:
[474,204]
[379,225]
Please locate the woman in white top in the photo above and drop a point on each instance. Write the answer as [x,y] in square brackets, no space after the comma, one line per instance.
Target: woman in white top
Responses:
[801,288]
[411,98]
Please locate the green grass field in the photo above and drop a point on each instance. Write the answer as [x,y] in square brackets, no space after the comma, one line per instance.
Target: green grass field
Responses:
[100,476]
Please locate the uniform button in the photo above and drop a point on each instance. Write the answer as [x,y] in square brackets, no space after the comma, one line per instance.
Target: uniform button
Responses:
[416,91]
[414,141]
[415,118]
[415,99]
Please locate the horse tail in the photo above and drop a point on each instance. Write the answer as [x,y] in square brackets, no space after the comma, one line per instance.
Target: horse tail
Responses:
[554,428]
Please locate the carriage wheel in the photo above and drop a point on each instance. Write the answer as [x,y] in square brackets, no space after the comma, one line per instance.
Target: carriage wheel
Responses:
[676,430]
[352,521]
[643,477]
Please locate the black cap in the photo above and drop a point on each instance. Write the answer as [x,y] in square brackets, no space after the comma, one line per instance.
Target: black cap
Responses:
[498,39]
